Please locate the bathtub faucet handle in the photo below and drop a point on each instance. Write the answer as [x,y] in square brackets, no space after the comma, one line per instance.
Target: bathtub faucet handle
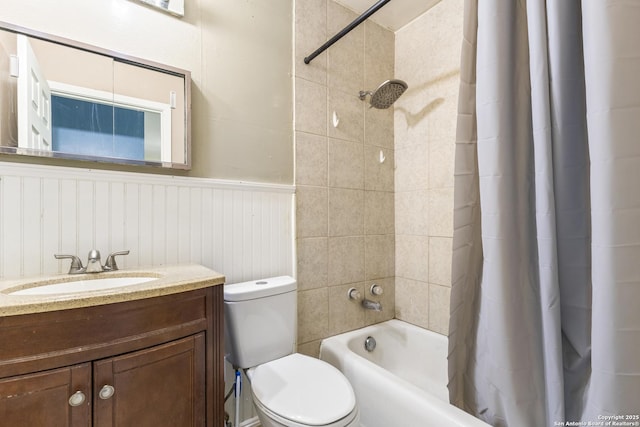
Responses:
[376,290]
[354,294]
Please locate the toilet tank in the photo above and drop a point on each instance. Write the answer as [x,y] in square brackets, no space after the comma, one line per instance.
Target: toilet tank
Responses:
[260,320]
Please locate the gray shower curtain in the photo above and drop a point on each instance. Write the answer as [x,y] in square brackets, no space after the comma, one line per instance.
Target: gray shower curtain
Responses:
[545,301]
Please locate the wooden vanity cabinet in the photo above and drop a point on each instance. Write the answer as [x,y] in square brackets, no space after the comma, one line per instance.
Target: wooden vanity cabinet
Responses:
[163,385]
[153,362]
[41,399]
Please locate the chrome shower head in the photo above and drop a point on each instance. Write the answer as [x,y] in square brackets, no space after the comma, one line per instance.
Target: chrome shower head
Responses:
[386,94]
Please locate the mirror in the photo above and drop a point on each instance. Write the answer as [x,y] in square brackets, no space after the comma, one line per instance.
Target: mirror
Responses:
[174,7]
[67,100]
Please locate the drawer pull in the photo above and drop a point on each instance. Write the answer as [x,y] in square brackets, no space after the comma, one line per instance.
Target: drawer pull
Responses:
[106,392]
[77,398]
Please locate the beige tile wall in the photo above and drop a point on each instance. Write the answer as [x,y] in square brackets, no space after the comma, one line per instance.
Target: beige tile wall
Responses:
[345,196]
[361,221]
[427,56]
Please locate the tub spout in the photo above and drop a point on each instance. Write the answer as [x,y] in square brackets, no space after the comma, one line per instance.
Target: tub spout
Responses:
[371,305]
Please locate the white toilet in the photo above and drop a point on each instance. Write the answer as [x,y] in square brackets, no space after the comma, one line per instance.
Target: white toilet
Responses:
[289,389]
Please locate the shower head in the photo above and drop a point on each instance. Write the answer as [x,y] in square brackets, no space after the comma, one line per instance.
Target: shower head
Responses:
[386,94]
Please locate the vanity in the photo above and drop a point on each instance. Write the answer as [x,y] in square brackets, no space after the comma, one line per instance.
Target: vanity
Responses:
[147,354]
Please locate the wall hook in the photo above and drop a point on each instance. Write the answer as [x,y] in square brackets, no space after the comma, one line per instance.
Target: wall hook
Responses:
[335,120]
[382,157]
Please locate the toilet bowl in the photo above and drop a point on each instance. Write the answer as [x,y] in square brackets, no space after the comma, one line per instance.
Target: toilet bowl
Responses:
[288,389]
[298,390]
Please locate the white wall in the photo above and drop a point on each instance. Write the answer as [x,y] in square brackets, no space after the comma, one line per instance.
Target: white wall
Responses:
[244,231]
[239,54]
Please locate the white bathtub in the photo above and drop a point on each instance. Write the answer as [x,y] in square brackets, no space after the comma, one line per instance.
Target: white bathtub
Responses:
[403,382]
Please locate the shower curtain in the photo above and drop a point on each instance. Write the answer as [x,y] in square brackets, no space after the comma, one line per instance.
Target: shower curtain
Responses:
[545,301]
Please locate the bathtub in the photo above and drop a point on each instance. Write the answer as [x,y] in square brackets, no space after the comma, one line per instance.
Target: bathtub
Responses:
[403,381]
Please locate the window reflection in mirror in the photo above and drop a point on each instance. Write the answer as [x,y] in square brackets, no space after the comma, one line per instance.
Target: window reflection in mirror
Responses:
[91,128]
[67,102]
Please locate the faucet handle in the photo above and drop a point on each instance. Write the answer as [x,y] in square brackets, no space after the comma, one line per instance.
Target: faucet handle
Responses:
[76,265]
[354,294]
[376,290]
[110,264]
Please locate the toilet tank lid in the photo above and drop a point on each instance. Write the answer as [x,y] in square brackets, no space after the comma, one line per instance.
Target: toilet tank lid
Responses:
[259,288]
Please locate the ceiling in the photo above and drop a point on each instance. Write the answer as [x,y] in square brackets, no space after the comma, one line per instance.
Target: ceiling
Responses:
[395,14]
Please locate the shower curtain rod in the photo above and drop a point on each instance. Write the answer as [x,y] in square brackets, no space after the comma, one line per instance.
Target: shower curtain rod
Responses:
[373,9]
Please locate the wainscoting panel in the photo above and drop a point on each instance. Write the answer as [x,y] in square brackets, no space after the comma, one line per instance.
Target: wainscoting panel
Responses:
[242,230]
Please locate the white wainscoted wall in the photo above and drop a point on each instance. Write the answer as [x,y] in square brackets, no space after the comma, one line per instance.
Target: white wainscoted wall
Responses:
[242,230]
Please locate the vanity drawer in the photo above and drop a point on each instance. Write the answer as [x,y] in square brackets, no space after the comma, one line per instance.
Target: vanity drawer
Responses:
[42,341]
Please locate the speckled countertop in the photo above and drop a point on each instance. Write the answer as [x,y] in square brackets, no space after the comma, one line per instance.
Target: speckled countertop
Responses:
[169,280]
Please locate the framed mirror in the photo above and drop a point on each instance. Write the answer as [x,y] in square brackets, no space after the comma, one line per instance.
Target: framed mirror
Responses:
[68,100]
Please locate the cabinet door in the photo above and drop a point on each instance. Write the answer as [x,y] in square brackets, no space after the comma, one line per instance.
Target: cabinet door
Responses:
[42,399]
[155,387]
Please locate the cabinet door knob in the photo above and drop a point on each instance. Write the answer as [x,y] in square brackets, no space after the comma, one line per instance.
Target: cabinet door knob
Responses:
[106,392]
[77,398]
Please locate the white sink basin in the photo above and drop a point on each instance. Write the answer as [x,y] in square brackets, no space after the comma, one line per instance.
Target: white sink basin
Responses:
[82,286]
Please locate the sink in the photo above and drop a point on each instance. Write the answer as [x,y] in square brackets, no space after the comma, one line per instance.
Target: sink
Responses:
[82,285]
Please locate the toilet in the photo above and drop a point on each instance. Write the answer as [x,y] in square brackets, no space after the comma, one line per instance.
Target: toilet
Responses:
[288,389]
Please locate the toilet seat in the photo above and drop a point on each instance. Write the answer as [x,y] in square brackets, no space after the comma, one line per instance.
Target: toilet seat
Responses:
[351,420]
[303,390]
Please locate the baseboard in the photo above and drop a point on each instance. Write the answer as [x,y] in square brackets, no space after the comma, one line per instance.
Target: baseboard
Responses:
[251,422]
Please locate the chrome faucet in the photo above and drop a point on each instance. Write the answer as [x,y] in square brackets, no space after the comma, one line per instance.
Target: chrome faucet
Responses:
[371,305]
[94,264]
[354,294]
